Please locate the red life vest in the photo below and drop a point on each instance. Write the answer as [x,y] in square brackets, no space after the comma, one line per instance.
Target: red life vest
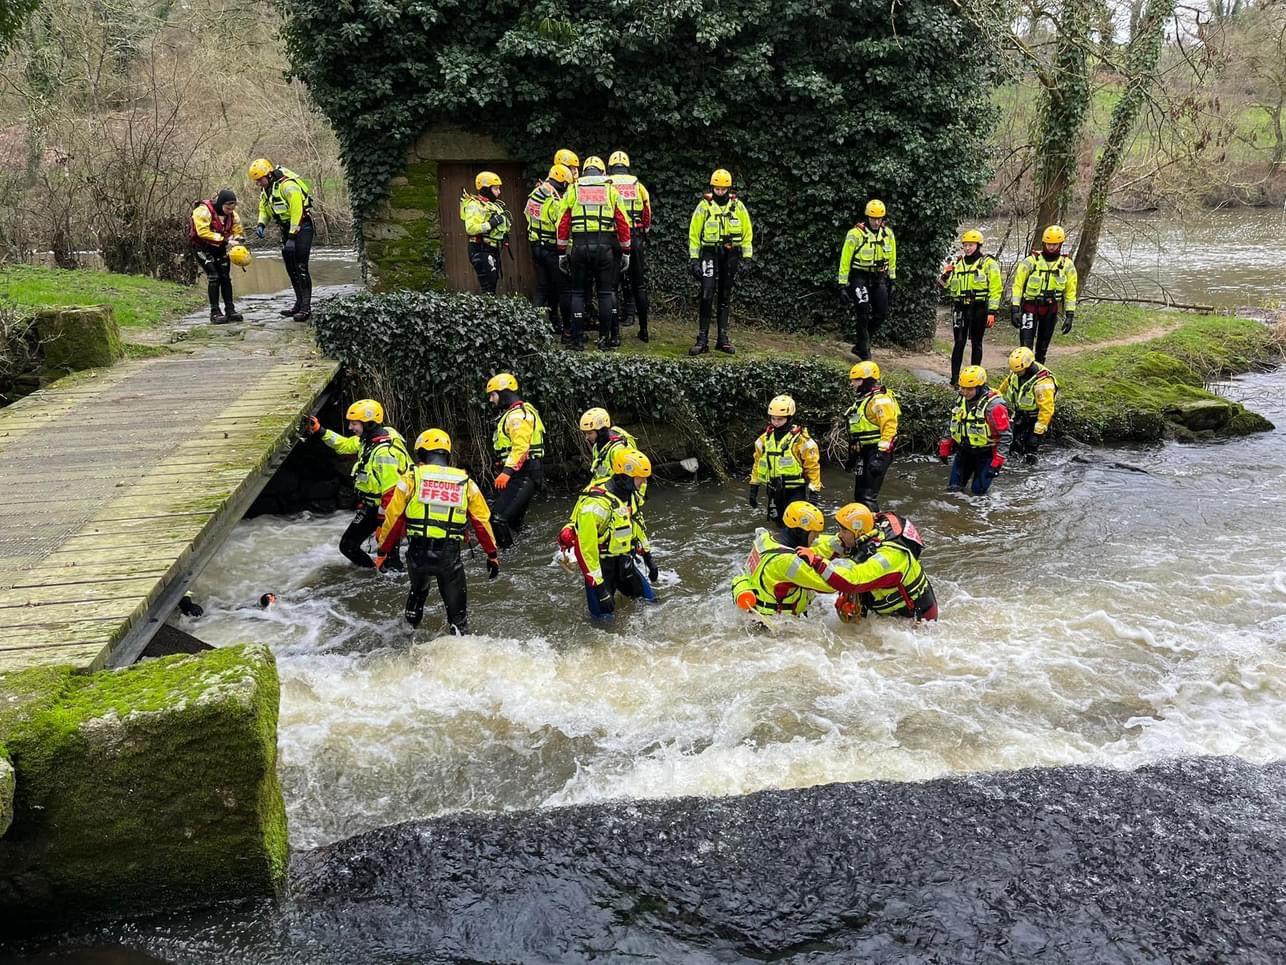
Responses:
[218,223]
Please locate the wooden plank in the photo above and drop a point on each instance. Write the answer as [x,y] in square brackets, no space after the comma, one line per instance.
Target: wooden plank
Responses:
[45,614]
[96,571]
[80,655]
[89,591]
[58,633]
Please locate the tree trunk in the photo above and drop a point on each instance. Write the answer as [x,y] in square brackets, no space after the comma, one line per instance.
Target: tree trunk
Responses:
[1141,68]
[1066,100]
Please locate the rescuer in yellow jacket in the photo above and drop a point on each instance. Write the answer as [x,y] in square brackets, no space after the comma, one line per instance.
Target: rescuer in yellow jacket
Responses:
[541,211]
[604,441]
[608,539]
[787,461]
[217,240]
[973,283]
[382,459]
[783,576]
[567,158]
[596,226]
[979,425]
[874,563]
[284,199]
[720,236]
[431,503]
[872,432]
[638,205]
[1044,281]
[1028,390]
[519,446]
[868,271]
[487,223]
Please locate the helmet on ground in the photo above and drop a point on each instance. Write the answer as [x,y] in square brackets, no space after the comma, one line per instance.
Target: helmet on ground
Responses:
[971,237]
[595,418]
[972,376]
[875,208]
[781,405]
[864,370]
[260,168]
[594,163]
[1054,235]
[433,440]
[619,157]
[501,381]
[486,179]
[365,410]
[805,516]
[722,178]
[239,255]
[1021,359]
[561,173]
[856,518]
[566,158]
[631,462]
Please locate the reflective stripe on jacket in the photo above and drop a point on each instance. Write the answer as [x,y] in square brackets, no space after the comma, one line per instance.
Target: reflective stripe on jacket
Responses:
[873,419]
[716,222]
[381,460]
[870,251]
[1039,278]
[520,434]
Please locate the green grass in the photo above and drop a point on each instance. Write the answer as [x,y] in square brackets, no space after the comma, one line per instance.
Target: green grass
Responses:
[138,301]
[1105,321]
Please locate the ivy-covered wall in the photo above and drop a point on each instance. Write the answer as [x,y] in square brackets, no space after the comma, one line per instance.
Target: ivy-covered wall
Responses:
[402,235]
[814,106]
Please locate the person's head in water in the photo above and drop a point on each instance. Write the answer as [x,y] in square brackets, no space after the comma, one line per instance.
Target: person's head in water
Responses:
[433,448]
[803,523]
[364,417]
[502,390]
[594,423]
[267,600]
[630,470]
[781,410]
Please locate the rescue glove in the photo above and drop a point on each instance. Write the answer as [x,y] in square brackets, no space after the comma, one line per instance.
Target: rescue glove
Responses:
[845,295]
[753,496]
[503,479]
[885,456]
[259,231]
[1016,316]
[944,451]
[309,424]
[991,319]
[892,287]
[493,566]
[1068,318]
[606,599]
[652,572]
[997,461]
[497,220]
[695,267]
[189,607]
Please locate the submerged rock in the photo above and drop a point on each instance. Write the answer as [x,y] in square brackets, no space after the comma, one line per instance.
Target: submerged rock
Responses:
[1177,862]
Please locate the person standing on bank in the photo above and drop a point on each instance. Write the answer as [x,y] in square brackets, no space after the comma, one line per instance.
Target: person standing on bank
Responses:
[638,205]
[519,445]
[487,223]
[1045,280]
[432,502]
[868,270]
[592,221]
[284,198]
[974,285]
[720,236]
[217,241]
[542,232]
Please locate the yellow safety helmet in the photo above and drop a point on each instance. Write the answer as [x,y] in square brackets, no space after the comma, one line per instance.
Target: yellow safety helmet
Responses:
[595,418]
[501,381]
[239,255]
[875,208]
[805,516]
[594,163]
[561,173]
[864,370]
[781,405]
[566,158]
[365,410]
[722,178]
[631,462]
[433,440]
[1054,235]
[619,157]
[856,518]
[972,376]
[260,168]
[486,179]
[971,237]
[1020,359]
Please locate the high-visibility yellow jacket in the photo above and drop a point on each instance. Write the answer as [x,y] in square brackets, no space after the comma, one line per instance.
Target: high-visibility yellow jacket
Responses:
[285,201]
[786,454]
[634,199]
[870,251]
[721,222]
[476,212]
[1040,277]
[381,460]
[606,525]
[781,579]
[972,279]
[541,212]
[873,419]
[1030,394]
[437,501]
[519,436]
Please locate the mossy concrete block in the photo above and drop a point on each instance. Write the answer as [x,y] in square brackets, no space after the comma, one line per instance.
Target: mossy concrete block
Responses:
[1246,422]
[1202,414]
[6,792]
[144,788]
[402,241]
[79,338]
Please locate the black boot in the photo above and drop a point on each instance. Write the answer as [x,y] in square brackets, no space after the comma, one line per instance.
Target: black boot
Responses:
[460,629]
[721,342]
[292,310]
[305,308]
[642,333]
[702,344]
[234,315]
[415,609]
[216,318]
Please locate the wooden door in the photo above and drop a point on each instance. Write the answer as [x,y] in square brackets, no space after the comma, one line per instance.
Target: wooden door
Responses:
[518,273]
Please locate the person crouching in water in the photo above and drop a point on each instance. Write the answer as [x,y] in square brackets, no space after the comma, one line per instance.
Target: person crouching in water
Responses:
[877,556]
[783,576]
[437,499]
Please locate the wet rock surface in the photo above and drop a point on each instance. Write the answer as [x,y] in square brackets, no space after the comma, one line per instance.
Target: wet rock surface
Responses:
[1177,862]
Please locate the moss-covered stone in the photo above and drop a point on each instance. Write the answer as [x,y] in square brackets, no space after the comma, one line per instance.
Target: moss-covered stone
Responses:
[6,791]
[79,338]
[402,243]
[1246,422]
[142,788]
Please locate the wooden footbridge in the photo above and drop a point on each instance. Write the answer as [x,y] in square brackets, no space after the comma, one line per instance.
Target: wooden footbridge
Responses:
[119,485]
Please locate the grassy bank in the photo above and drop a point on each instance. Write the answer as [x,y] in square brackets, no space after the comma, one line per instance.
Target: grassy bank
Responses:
[138,301]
